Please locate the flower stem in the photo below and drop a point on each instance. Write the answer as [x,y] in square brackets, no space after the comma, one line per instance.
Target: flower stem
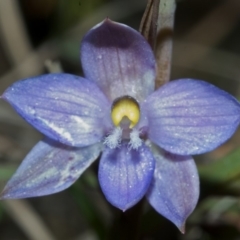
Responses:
[148,25]
[126,224]
[163,50]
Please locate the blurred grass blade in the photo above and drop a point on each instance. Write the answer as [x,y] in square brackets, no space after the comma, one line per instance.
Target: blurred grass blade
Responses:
[6,172]
[28,219]
[88,210]
[224,170]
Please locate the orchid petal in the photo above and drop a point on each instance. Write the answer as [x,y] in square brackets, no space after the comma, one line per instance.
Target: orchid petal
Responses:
[66,108]
[119,60]
[125,174]
[190,117]
[174,191]
[49,168]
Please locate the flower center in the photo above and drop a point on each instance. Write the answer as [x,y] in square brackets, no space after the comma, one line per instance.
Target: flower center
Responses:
[125,107]
[125,116]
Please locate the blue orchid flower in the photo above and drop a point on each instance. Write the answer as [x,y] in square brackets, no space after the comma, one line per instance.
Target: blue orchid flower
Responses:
[146,137]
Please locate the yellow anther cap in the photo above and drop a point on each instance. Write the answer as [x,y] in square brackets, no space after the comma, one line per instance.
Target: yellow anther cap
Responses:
[125,107]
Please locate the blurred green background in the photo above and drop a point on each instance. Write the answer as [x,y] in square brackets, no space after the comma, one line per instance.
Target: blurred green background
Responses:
[38,35]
